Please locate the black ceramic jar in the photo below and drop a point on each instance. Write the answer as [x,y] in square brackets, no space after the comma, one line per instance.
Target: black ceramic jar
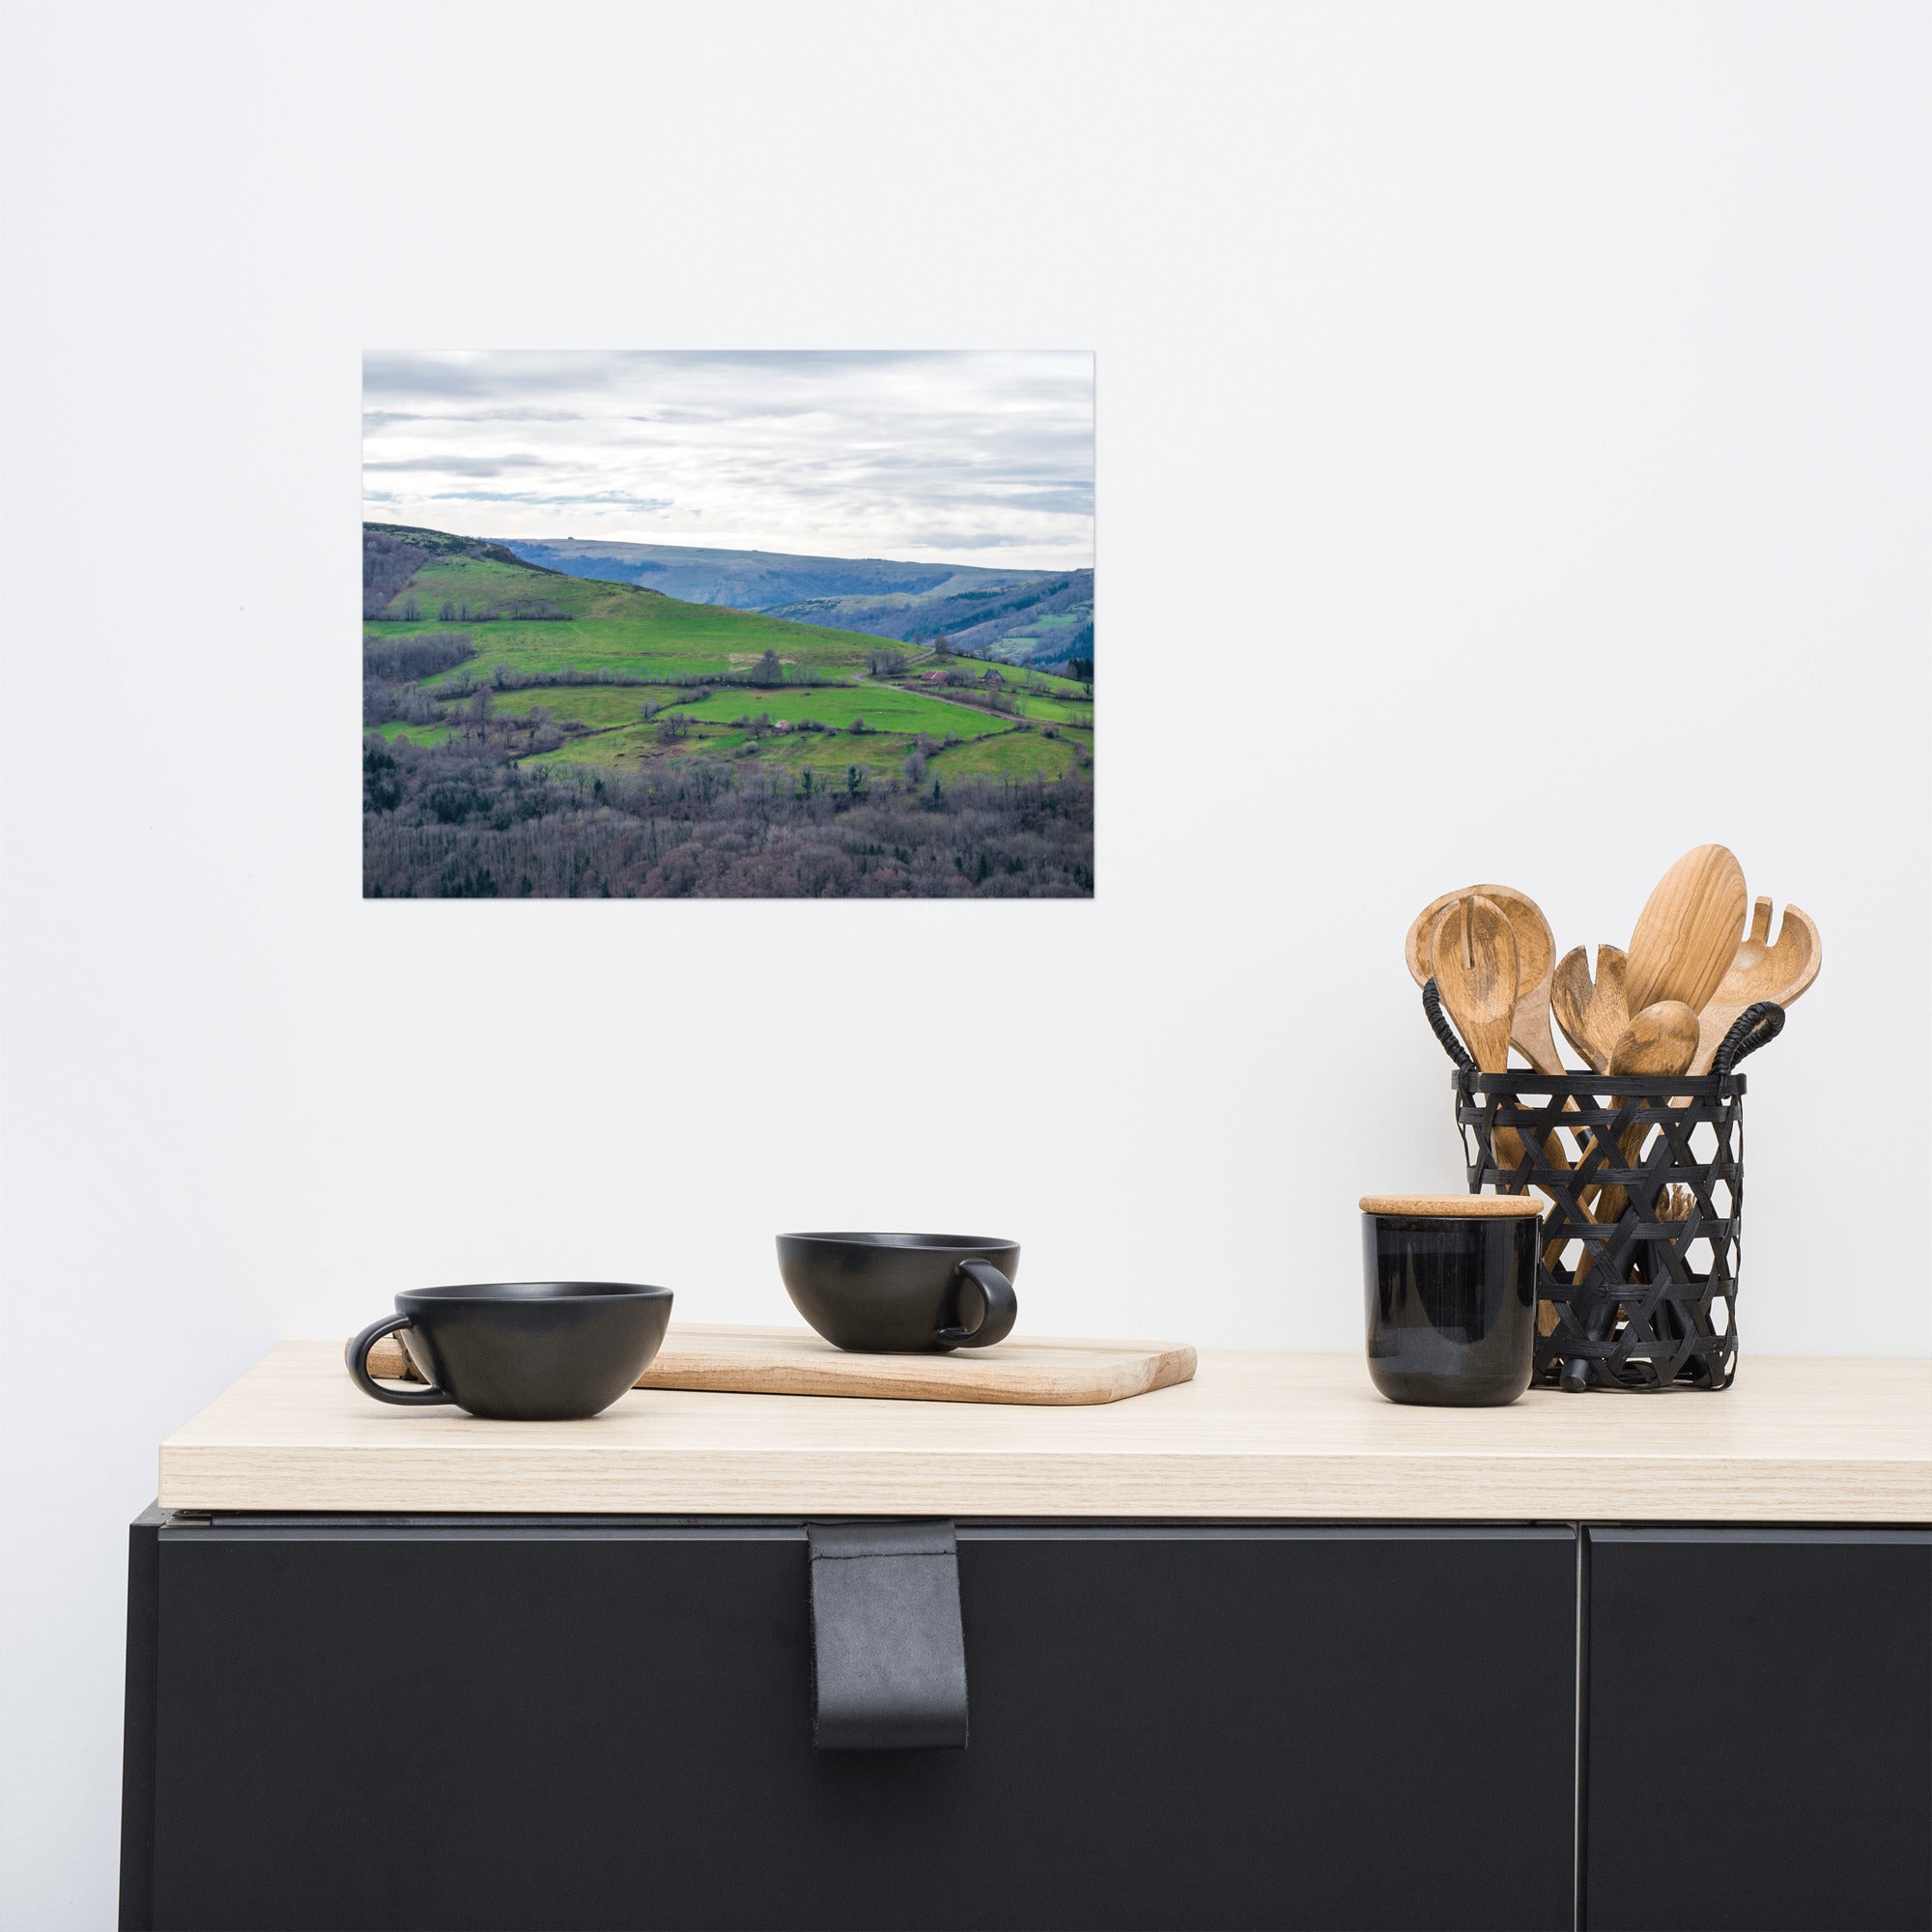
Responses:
[1450,1281]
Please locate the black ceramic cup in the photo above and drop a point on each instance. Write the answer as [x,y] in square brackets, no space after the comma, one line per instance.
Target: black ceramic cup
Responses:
[520,1350]
[1450,1288]
[903,1294]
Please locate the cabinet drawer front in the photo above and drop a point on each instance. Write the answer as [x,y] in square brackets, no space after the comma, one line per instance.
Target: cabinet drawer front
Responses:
[1760,1730]
[555,1725]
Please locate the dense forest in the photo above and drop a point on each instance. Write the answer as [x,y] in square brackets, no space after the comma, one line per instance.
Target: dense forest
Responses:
[461,820]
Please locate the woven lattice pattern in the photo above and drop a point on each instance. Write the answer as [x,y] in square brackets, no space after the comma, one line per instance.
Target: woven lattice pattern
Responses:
[1643,1298]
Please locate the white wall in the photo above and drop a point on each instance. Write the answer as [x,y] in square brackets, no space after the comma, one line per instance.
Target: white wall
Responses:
[1518,413]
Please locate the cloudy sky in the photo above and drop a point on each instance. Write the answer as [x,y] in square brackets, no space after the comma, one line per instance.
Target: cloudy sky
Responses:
[966,458]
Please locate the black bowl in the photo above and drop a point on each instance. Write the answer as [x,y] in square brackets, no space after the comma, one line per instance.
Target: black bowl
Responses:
[894,1294]
[522,1351]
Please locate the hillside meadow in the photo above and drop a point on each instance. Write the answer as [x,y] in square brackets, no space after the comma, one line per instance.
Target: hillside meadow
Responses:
[500,698]
[1021,616]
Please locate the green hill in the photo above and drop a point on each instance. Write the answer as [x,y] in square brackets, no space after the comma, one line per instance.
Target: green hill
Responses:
[1019,616]
[549,669]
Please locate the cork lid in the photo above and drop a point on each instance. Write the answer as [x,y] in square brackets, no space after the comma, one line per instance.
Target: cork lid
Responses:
[1460,1206]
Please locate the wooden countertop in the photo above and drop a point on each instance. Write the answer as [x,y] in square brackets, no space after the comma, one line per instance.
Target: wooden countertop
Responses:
[1252,1435]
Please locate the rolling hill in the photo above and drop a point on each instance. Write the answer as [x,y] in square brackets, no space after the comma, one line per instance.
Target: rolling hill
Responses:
[483,671]
[1019,616]
[532,734]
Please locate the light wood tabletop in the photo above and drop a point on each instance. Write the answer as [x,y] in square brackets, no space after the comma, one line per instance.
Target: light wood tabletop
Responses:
[1252,1435]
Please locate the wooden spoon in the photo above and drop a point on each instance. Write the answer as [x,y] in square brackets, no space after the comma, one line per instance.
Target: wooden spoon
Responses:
[1760,971]
[1593,1017]
[1660,1041]
[1535,958]
[1687,933]
[1657,1043]
[1472,949]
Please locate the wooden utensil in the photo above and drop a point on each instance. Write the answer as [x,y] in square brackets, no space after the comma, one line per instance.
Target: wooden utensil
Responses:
[1535,957]
[1660,1041]
[1687,933]
[1473,952]
[1760,970]
[1657,1043]
[1593,1016]
[1472,955]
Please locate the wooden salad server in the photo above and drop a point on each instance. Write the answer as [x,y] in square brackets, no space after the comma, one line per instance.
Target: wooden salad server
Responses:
[1658,1043]
[1472,953]
[1760,970]
[1536,960]
[1472,956]
[1593,1016]
[1687,935]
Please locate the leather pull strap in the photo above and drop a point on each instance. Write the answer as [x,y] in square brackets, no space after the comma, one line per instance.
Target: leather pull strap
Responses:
[889,1658]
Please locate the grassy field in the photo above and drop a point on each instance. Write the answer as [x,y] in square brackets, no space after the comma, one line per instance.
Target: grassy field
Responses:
[639,634]
[595,704]
[417,734]
[1013,754]
[1055,710]
[614,627]
[882,706]
[1001,753]
[624,746]
[1023,680]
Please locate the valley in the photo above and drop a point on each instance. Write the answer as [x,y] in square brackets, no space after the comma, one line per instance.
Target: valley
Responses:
[1039,617]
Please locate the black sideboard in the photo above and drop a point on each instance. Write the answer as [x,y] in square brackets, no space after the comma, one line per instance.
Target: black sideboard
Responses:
[346,1722]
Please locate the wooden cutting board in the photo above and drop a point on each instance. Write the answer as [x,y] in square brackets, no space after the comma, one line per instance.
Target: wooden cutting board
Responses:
[794,1361]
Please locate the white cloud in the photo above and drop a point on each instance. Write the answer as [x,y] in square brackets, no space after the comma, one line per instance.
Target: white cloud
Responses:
[920,455]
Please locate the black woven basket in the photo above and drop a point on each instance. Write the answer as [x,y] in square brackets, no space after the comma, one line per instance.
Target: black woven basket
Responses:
[1643,1301]
[1644,1297]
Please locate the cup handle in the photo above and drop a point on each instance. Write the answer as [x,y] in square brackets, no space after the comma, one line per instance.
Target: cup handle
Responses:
[357,1357]
[1002,1308]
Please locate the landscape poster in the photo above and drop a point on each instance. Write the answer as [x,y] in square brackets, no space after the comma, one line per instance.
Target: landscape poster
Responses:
[733,624]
